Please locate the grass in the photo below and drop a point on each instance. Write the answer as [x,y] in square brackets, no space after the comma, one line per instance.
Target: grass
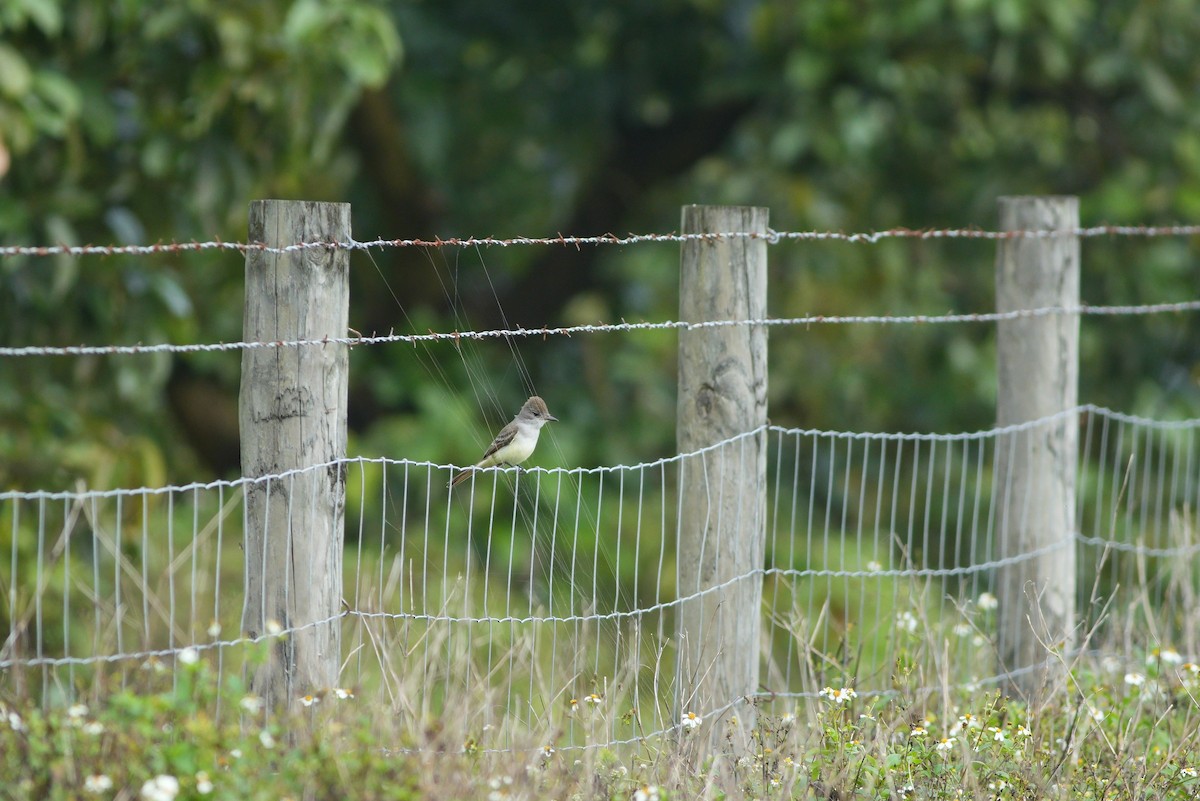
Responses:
[1109,730]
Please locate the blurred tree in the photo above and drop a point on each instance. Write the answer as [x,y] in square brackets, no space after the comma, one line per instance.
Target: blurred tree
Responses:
[128,122]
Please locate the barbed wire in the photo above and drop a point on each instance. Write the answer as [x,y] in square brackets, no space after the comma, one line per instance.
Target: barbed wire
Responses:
[603,328]
[770,236]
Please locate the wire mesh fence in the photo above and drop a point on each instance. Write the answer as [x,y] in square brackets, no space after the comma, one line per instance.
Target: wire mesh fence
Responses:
[550,604]
[546,600]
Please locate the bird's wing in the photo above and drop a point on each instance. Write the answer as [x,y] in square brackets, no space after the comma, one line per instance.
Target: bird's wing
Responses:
[506,435]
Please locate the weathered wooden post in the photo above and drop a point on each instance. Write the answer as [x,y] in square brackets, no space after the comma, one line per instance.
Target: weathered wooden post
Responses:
[293,415]
[1037,370]
[722,393]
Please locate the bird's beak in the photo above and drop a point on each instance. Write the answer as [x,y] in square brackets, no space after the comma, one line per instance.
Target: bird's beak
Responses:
[550,417]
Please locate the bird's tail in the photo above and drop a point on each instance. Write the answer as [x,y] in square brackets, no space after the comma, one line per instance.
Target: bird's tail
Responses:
[461,477]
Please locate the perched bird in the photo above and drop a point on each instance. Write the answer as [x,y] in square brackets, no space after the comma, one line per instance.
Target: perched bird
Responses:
[516,441]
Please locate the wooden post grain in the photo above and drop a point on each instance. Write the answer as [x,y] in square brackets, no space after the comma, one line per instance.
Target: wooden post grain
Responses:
[293,415]
[722,393]
[1037,371]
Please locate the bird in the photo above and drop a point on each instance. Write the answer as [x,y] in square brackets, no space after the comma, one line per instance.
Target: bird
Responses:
[516,441]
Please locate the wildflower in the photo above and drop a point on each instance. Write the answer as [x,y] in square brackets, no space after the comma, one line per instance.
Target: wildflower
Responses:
[1023,731]
[967,721]
[1135,679]
[309,700]
[962,630]
[572,706]
[252,704]
[594,699]
[204,785]
[944,744]
[1189,773]
[1095,714]
[987,602]
[647,792]
[1190,667]
[342,694]
[1167,655]
[274,629]
[93,728]
[690,721]
[774,784]
[874,566]
[189,656]
[918,731]
[15,722]
[266,739]
[547,751]
[97,783]
[214,629]
[76,712]
[997,734]
[907,621]
[161,788]
[906,790]
[838,696]
[236,753]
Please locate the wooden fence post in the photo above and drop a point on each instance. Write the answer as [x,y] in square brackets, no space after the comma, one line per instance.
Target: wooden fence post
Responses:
[722,393]
[1037,371]
[293,415]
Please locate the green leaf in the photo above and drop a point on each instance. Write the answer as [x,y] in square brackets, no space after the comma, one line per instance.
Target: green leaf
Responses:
[16,77]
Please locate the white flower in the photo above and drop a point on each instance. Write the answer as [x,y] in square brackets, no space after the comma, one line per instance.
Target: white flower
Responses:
[1135,679]
[987,602]
[962,630]
[918,731]
[945,744]
[77,711]
[214,629]
[93,727]
[252,704]
[266,739]
[547,751]
[690,721]
[310,699]
[160,788]
[1171,656]
[1095,714]
[967,721]
[874,566]
[838,696]
[342,694]
[997,734]
[97,783]
[236,753]
[647,792]
[189,656]
[273,628]
[204,785]
[593,699]
[907,621]
[15,722]
[1023,731]
[1189,773]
